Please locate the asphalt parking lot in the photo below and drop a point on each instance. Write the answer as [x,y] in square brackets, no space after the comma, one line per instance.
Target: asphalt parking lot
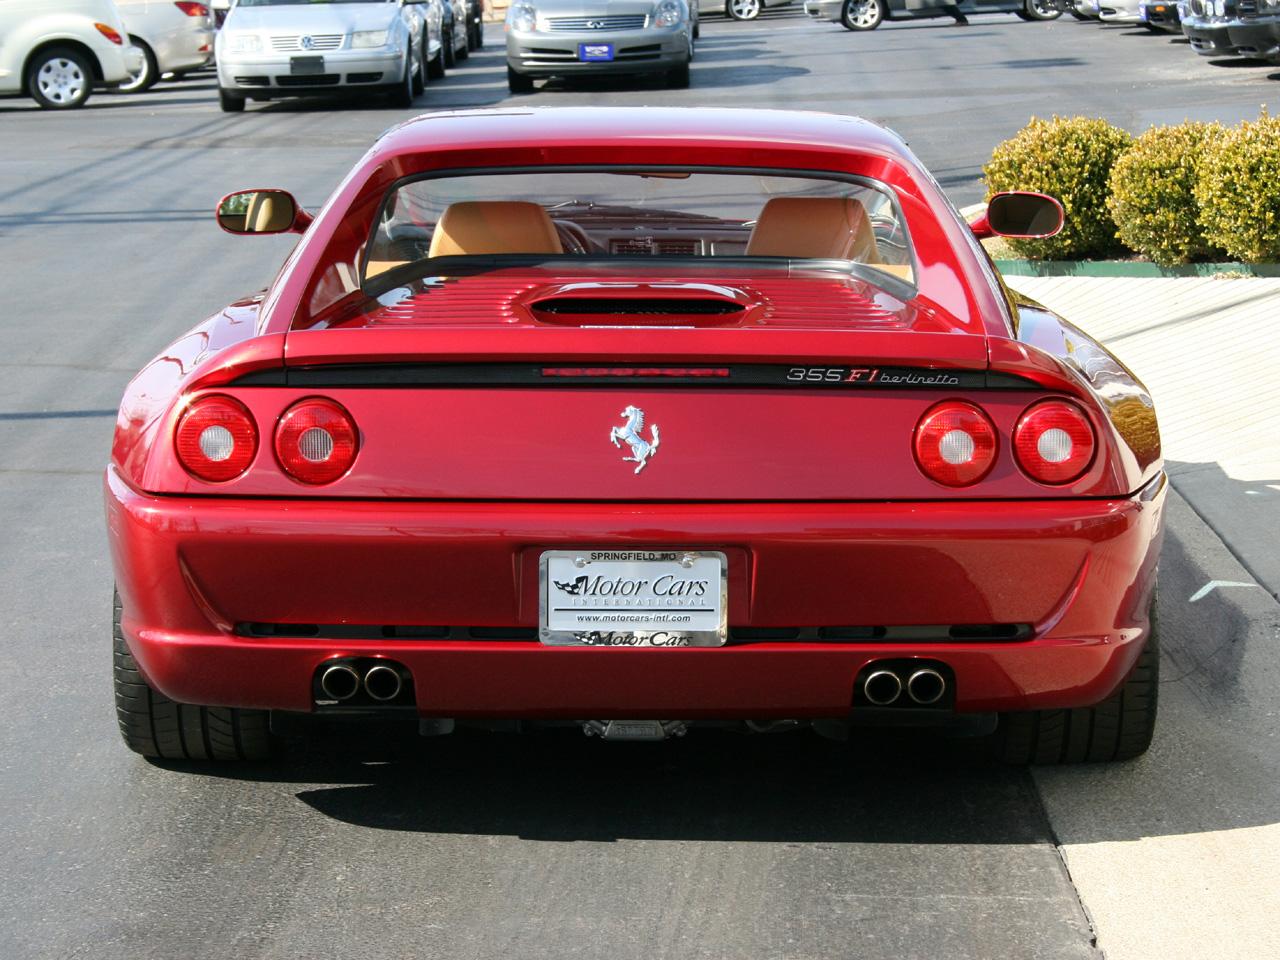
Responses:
[554,846]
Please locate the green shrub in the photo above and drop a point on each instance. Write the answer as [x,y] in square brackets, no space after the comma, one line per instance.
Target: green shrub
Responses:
[1153,199]
[1069,158]
[1239,191]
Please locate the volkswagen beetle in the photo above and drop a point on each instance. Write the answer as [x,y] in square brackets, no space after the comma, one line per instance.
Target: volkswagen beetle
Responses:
[636,420]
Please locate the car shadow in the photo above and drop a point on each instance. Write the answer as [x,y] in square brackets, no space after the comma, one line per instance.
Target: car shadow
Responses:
[701,77]
[712,785]
[1237,63]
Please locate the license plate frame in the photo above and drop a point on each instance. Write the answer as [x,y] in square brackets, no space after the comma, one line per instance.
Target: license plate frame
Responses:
[595,52]
[594,598]
[306,66]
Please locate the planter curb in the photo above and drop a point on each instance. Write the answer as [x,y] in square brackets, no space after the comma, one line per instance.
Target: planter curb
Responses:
[1129,268]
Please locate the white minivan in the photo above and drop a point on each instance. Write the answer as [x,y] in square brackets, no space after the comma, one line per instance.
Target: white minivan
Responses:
[56,51]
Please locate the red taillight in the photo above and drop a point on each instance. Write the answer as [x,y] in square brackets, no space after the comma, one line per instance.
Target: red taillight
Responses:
[955,444]
[316,441]
[110,33]
[216,439]
[1053,441]
[192,9]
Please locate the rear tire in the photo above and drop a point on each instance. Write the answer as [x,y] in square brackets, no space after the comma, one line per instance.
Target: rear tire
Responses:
[860,15]
[1119,728]
[1040,10]
[450,55]
[229,102]
[60,79]
[744,9]
[155,726]
[150,74]
[518,82]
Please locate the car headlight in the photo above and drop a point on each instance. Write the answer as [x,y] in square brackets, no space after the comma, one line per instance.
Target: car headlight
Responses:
[244,43]
[668,13]
[522,17]
[368,39]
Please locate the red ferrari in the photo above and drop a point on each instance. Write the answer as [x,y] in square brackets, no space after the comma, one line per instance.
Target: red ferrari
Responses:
[637,420]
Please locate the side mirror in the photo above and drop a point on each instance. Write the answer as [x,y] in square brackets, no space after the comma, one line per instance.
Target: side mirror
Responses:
[1021,215]
[261,212]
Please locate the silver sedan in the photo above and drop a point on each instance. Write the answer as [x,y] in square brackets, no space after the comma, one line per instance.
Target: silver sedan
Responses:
[565,38]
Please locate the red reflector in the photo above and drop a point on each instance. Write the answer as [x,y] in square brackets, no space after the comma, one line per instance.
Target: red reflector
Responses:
[216,439]
[955,444]
[316,441]
[192,9]
[635,371]
[110,33]
[1053,441]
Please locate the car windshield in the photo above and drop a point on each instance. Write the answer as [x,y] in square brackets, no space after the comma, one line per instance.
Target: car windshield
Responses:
[669,213]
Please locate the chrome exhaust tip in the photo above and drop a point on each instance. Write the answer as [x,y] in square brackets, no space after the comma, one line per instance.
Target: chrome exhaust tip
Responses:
[340,682]
[382,683]
[882,687]
[926,686]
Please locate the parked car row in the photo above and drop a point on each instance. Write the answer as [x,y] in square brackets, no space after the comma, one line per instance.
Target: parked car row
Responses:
[1214,28]
[271,49]
[58,51]
[859,15]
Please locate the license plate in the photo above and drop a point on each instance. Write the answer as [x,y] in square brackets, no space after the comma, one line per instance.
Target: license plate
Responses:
[592,52]
[633,598]
[306,65]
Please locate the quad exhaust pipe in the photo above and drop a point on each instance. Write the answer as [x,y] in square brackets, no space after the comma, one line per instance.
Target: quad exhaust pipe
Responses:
[926,686]
[882,687]
[381,682]
[923,687]
[340,682]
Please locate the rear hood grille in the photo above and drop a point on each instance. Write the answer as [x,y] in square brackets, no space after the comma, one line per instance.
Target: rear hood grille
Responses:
[769,299]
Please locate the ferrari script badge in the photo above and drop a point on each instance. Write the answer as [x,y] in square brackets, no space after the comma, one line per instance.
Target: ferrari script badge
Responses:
[641,449]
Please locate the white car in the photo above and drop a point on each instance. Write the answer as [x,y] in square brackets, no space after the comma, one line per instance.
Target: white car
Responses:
[56,51]
[175,36]
[269,49]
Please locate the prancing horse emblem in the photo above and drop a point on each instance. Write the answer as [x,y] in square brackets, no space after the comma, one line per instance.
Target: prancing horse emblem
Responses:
[641,449]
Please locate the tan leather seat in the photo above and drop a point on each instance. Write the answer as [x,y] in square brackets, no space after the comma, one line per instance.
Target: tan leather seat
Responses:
[267,214]
[824,228]
[494,226]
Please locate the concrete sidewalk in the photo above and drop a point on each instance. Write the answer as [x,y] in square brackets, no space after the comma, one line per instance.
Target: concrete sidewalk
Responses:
[1209,351]
[1177,854]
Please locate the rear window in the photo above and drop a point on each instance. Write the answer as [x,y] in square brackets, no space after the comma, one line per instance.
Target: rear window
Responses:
[607,215]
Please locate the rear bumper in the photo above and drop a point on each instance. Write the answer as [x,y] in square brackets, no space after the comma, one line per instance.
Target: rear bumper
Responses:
[193,571]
